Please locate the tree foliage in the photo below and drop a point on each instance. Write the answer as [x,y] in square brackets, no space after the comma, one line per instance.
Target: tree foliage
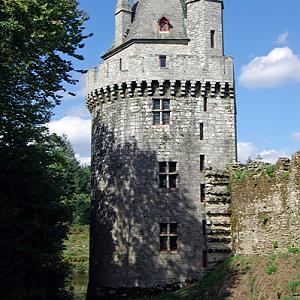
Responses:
[37,39]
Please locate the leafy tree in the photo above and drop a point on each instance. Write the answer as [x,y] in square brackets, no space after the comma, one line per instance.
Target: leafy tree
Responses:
[37,38]
[77,181]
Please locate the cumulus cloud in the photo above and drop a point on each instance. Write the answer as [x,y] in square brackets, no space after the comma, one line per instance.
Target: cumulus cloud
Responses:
[295,137]
[281,66]
[282,38]
[247,150]
[271,156]
[79,133]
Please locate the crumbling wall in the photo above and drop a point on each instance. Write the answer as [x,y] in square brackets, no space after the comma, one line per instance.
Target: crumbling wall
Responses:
[265,206]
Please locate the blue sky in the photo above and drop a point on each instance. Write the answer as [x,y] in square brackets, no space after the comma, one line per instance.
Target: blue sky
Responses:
[263,36]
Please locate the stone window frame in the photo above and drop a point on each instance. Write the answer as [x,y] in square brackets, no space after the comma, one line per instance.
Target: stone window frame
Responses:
[161,111]
[167,175]
[168,237]
[163,24]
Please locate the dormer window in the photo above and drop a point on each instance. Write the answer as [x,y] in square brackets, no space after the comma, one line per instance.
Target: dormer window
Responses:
[164,24]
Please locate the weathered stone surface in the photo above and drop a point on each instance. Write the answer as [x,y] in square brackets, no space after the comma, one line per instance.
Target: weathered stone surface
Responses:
[265,207]
[127,203]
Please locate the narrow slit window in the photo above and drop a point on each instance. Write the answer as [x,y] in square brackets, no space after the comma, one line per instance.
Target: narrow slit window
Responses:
[202,192]
[204,229]
[202,163]
[212,38]
[204,265]
[120,64]
[162,61]
[205,104]
[201,131]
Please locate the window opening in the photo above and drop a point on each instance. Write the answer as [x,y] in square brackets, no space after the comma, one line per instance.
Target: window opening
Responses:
[168,235]
[120,64]
[164,24]
[201,131]
[204,229]
[202,192]
[205,104]
[161,112]
[162,61]
[212,38]
[202,163]
[204,265]
[167,172]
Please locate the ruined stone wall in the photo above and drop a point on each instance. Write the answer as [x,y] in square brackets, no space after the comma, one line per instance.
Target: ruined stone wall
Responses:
[266,206]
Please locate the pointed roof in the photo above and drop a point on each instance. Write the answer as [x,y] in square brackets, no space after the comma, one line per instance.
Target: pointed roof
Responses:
[145,21]
[147,14]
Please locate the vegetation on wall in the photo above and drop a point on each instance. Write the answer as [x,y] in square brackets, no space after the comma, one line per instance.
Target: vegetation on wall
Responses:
[37,38]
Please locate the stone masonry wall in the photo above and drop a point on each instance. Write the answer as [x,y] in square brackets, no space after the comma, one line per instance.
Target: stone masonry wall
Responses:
[266,206]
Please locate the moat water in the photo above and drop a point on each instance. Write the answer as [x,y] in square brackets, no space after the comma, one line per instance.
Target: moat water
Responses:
[79,283]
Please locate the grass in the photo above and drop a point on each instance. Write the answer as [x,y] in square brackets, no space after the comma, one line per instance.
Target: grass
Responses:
[244,277]
[77,249]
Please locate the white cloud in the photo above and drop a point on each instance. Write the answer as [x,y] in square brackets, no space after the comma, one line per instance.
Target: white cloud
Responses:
[281,66]
[83,160]
[282,38]
[78,131]
[247,149]
[295,137]
[271,156]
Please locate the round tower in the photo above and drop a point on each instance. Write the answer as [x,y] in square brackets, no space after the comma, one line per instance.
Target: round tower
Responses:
[163,114]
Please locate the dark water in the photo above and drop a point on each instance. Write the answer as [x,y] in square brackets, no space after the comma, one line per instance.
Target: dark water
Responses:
[80,283]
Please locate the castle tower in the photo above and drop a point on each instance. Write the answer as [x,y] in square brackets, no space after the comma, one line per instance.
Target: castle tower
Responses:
[163,112]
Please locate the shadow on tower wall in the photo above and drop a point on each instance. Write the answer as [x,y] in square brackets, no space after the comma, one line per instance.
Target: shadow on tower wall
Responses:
[127,208]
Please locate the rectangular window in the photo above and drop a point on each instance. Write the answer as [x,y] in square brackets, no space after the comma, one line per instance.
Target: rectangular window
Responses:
[205,104]
[168,236]
[212,38]
[161,112]
[202,163]
[204,265]
[201,131]
[202,192]
[204,231]
[162,61]
[167,173]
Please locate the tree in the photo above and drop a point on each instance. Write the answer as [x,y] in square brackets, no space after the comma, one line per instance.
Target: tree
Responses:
[76,181]
[37,39]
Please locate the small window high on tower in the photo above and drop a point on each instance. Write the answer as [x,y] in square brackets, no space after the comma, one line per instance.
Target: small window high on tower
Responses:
[164,24]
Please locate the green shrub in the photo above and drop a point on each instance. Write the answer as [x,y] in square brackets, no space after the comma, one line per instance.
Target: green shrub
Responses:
[293,285]
[271,269]
[294,250]
[272,257]
[270,170]
[264,219]
[275,245]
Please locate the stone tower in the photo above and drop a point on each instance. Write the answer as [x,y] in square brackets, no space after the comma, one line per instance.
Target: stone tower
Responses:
[163,112]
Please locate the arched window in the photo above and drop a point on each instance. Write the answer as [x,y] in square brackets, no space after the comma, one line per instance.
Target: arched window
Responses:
[164,24]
